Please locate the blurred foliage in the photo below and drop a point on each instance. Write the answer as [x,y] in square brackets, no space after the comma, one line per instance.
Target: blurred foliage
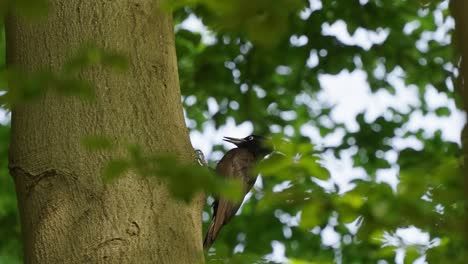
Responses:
[31,9]
[23,87]
[272,80]
[261,62]
[184,180]
[10,245]
[251,19]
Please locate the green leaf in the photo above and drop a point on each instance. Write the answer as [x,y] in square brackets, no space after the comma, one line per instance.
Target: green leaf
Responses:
[313,214]
[115,168]
[411,254]
[313,167]
[231,189]
[90,55]
[300,261]
[274,165]
[443,111]
[96,143]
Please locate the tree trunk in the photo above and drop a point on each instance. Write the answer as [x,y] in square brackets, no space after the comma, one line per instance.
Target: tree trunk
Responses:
[459,10]
[68,215]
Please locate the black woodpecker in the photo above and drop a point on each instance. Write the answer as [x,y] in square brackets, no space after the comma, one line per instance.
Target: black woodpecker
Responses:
[238,163]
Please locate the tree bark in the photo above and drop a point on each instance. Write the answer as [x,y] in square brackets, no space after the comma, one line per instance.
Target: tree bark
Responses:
[459,10]
[68,215]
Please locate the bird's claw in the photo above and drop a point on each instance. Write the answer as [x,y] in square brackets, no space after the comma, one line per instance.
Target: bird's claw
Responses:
[201,158]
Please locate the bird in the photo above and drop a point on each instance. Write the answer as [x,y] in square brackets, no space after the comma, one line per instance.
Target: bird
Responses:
[237,163]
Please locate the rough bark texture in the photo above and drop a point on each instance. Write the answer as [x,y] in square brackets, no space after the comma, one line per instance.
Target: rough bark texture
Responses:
[68,215]
[459,10]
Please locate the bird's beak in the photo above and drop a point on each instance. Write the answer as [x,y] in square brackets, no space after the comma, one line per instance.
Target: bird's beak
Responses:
[235,141]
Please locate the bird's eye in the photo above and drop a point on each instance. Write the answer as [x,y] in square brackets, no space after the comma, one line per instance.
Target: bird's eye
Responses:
[250,138]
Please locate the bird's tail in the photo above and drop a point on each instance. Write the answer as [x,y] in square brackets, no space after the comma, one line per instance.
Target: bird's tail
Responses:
[212,233]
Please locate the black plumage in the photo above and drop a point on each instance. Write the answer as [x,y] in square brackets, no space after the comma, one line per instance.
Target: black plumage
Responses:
[238,163]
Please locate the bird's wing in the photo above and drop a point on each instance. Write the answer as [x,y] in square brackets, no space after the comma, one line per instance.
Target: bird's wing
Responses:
[236,164]
[224,212]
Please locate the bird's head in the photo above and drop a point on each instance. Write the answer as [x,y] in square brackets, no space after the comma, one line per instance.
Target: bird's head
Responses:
[255,144]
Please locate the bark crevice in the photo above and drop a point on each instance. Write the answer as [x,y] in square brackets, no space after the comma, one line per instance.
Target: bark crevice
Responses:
[32,180]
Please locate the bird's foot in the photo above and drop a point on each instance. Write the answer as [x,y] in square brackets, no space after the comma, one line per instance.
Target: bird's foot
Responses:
[201,158]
